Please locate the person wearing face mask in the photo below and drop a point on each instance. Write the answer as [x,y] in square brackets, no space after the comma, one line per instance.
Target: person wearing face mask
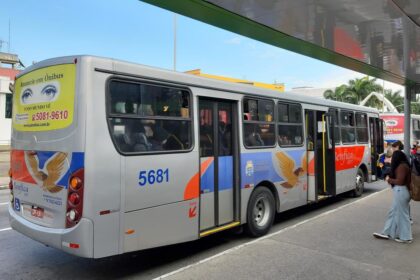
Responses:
[414,148]
[416,162]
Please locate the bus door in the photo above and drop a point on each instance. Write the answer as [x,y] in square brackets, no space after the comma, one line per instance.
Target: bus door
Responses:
[320,154]
[219,191]
[376,144]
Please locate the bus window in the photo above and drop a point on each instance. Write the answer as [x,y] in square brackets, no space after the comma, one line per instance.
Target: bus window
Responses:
[206,130]
[361,128]
[416,129]
[145,117]
[347,127]
[259,123]
[337,138]
[225,130]
[290,126]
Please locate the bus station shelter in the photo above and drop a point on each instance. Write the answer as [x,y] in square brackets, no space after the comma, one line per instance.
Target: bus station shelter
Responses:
[380,38]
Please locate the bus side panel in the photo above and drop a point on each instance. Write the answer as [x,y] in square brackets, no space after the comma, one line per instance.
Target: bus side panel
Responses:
[102,171]
[348,159]
[161,199]
[154,180]
[163,225]
[285,168]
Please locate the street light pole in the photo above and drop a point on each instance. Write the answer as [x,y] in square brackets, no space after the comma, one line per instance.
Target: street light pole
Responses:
[174,42]
[407,117]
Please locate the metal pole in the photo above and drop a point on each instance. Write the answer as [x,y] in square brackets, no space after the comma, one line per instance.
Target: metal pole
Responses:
[174,42]
[407,118]
[9,36]
[383,95]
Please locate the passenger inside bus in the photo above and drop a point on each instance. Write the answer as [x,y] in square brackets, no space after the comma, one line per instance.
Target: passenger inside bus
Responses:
[253,136]
[284,140]
[225,136]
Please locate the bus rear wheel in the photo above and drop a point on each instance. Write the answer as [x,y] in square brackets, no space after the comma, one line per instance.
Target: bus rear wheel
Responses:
[359,184]
[260,212]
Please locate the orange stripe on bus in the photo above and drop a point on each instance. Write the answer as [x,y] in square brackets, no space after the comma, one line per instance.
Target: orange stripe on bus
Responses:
[19,169]
[192,188]
[348,157]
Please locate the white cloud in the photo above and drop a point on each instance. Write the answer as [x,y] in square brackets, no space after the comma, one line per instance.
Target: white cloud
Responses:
[342,76]
[234,41]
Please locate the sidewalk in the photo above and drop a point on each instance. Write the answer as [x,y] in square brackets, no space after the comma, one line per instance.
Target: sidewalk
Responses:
[4,166]
[334,245]
[4,183]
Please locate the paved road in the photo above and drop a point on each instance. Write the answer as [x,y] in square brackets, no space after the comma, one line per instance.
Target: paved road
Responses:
[4,163]
[23,258]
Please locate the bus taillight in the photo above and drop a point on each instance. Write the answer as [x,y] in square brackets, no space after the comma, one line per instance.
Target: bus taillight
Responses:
[75,198]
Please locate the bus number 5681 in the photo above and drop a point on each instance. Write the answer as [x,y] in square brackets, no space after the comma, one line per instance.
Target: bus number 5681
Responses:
[153,176]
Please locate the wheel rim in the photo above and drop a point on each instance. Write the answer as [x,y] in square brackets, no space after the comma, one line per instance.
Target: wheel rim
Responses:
[262,211]
[359,183]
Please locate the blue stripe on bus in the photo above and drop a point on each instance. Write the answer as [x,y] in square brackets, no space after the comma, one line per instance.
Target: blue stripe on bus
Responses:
[225,173]
[261,166]
[207,180]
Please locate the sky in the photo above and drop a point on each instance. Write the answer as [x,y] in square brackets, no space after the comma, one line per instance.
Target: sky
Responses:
[137,32]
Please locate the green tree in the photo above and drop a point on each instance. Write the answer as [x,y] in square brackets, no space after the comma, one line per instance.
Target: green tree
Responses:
[337,94]
[356,90]
[359,89]
[395,98]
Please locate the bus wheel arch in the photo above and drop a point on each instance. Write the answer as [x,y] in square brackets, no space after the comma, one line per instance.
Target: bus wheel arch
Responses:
[359,182]
[364,169]
[261,210]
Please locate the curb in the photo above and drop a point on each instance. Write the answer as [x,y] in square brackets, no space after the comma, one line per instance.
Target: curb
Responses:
[4,187]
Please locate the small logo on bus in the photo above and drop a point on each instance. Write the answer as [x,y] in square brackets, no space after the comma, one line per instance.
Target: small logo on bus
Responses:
[249,168]
[17,204]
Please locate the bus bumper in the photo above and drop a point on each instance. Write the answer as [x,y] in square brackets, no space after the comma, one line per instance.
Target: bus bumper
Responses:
[76,241]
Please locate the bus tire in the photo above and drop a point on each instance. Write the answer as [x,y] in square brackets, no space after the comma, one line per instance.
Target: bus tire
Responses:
[359,184]
[260,212]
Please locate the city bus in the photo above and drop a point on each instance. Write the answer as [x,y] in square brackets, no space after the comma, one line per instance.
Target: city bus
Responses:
[110,157]
[394,127]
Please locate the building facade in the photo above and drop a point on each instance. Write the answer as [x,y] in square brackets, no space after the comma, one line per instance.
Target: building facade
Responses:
[9,68]
[277,86]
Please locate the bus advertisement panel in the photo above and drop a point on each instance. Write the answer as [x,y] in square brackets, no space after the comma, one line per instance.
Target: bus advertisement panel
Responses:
[44,99]
[394,127]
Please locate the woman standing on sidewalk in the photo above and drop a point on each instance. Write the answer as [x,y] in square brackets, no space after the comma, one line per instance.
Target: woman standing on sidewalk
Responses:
[397,225]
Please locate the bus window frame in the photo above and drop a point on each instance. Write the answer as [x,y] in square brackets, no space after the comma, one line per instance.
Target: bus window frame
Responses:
[348,126]
[243,122]
[337,118]
[301,124]
[365,127]
[139,81]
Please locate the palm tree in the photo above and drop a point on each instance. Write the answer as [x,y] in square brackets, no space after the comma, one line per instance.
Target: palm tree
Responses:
[355,91]
[358,89]
[395,98]
[337,94]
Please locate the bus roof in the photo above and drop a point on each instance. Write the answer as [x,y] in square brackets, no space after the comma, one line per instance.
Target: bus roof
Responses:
[139,70]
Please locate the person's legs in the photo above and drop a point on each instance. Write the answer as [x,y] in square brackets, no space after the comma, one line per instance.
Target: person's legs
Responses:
[390,223]
[402,213]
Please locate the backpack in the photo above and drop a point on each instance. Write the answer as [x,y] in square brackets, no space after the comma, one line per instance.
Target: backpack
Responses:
[415,182]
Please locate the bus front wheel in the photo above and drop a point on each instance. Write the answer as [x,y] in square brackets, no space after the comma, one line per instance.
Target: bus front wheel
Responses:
[260,212]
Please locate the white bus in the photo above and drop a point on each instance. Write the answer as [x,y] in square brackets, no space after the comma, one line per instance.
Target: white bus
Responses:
[394,127]
[110,157]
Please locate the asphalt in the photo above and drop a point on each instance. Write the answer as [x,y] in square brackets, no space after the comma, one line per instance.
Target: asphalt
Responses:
[337,244]
[4,166]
